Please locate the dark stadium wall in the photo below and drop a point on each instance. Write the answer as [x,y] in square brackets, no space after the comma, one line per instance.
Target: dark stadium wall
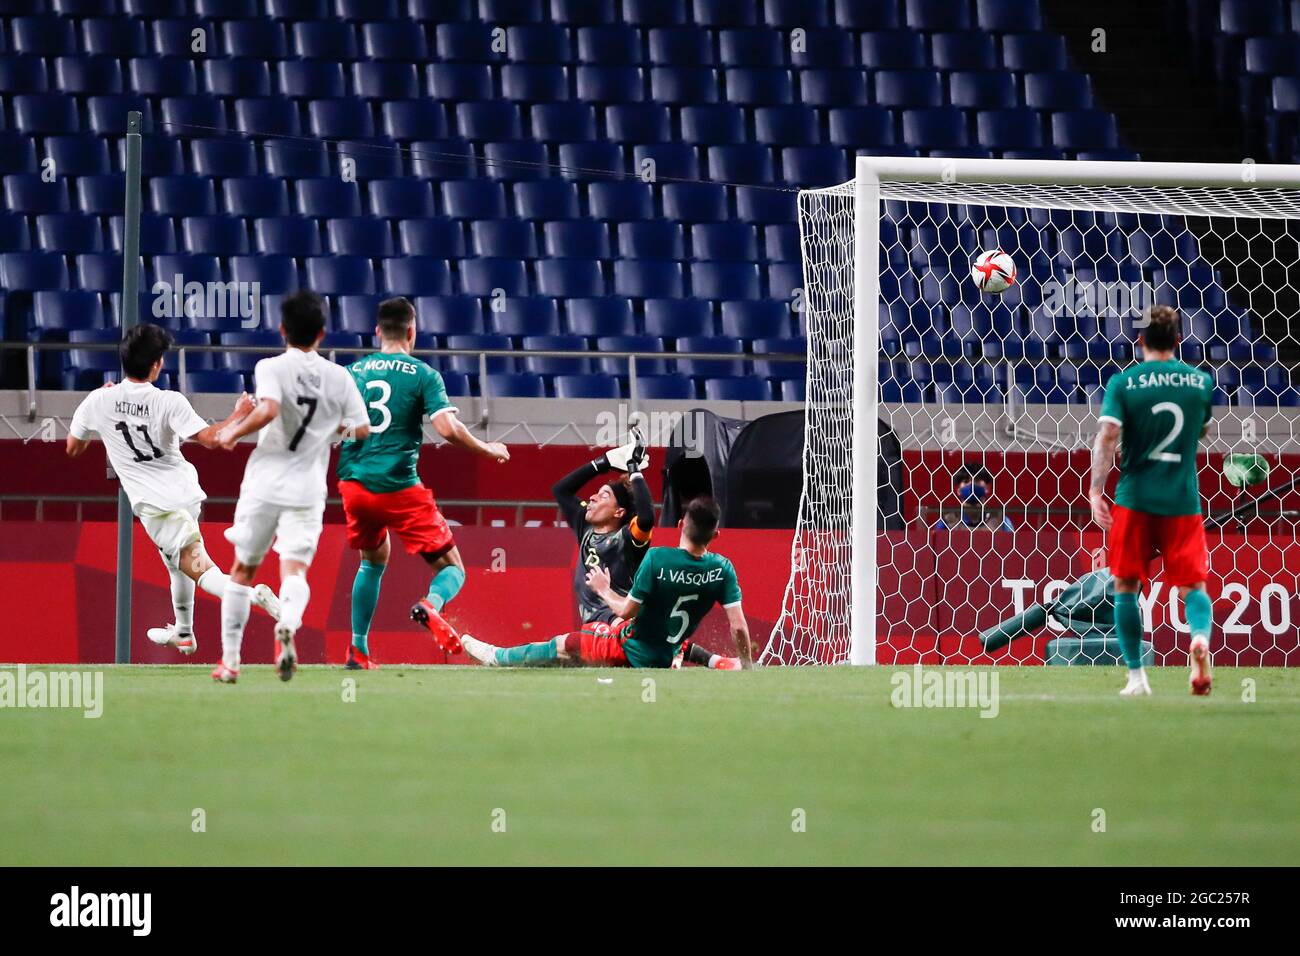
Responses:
[518,588]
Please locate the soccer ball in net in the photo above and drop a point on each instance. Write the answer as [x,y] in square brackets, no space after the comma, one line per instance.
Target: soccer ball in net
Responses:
[994,272]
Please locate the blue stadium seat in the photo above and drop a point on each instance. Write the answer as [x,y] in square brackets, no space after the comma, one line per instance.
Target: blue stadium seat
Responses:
[325,40]
[450,315]
[710,367]
[236,77]
[295,236]
[648,278]
[223,157]
[608,44]
[1008,16]
[184,195]
[666,387]
[609,84]
[751,48]
[503,238]
[401,198]
[514,385]
[442,238]
[576,239]
[84,369]
[23,73]
[792,390]
[679,46]
[586,386]
[474,199]
[833,88]
[443,159]
[394,40]
[725,280]
[250,196]
[717,124]
[416,276]
[65,311]
[781,370]
[908,89]
[493,121]
[310,79]
[563,122]
[215,381]
[17,153]
[268,116]
[538,43]
[14,234]
[43,35]
[1033,52]
[603,316]
[78,155]
[341,119]
[407,120]
[514,161]
[787,125]
[758,86]
[724,241]
[174,35]
[761,319]
[1085,129]
[459,82]
[678,318]
[764,206]
[268,341]
[258,39]
[355,313]
[1009,129]
[327,198]
[666,160]
[534,83]
[1063,90]
[103,195]
[580,161]
[942,127]
[90,74]
[487,276]
[386,80]
[621,201]
[340,275]
[32,271]
[469,364]
[855,127]
[45,114]
[962,51]
[215,235]
[638,122]
[570,278]
[555,366]
[740,163]
[695,202]
[295,159]
[781,243]
[737,390]
[642,346]
[982,89]
[359,236]
[814,165]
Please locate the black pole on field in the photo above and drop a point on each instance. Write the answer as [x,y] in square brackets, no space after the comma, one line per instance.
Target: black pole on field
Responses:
[129,307]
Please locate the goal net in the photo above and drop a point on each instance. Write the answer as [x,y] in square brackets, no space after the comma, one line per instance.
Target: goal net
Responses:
[1000,394]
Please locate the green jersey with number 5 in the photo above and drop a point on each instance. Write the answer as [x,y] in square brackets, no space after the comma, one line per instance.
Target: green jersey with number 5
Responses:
[401,393]
[675,589]
[1161,408]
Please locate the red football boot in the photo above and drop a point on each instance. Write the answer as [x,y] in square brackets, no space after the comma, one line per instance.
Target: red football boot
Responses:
[358,661]
[424,614]
[1200,679]
[224,674]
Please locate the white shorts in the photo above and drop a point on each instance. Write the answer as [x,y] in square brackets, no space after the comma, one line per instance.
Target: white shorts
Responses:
[295,530]
[171,531]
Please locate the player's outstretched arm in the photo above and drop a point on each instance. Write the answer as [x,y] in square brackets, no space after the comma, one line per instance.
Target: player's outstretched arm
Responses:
[75,447]
[644,521]
[740,634]
[208,437]
[261,416]
[622,605]
[1103,459]
[451,428]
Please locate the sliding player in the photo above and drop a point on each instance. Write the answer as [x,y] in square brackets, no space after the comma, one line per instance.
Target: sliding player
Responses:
[1162,408]
[613,530]
[673,590]
[381,488]
[303,403]
[142,428]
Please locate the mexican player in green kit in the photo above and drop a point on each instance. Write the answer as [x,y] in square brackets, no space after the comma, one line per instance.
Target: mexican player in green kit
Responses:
[381,489]
[1162,408]
[673,590]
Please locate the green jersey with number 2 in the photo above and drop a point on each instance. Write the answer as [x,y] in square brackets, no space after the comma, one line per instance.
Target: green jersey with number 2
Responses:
[675,589]
[1161,408]
[401,393]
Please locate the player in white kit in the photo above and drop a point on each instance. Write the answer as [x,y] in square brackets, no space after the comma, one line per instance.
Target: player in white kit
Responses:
[304,403]
[142,427]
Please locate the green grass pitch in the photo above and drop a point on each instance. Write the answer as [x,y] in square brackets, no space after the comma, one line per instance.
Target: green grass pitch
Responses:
[476,766]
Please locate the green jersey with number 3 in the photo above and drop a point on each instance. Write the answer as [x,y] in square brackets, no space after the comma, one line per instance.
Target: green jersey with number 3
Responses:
[675,589]
[1161,408]
[401,393]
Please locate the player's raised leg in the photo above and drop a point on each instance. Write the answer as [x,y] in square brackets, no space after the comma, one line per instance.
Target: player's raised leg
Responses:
[448,579]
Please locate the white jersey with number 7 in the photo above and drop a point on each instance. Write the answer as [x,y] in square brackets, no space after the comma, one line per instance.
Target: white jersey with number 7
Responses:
[316,398]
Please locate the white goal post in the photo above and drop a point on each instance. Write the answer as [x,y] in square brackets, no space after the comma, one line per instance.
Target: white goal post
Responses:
[1010,385]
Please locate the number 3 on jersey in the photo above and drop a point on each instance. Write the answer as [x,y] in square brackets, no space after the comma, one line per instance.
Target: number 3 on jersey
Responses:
[380,404]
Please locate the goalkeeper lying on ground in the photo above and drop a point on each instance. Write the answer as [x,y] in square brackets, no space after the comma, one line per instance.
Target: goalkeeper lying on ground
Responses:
[1086,607]
[674,588]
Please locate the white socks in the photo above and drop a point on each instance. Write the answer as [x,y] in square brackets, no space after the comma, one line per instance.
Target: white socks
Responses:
[214,580]
[182,601]
[234,615]
[294,594]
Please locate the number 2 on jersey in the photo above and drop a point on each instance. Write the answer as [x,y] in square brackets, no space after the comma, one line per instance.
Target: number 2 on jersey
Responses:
[310,402]
[1158,453]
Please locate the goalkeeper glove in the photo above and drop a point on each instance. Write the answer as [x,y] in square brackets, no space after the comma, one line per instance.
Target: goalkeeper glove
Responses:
[631,457]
